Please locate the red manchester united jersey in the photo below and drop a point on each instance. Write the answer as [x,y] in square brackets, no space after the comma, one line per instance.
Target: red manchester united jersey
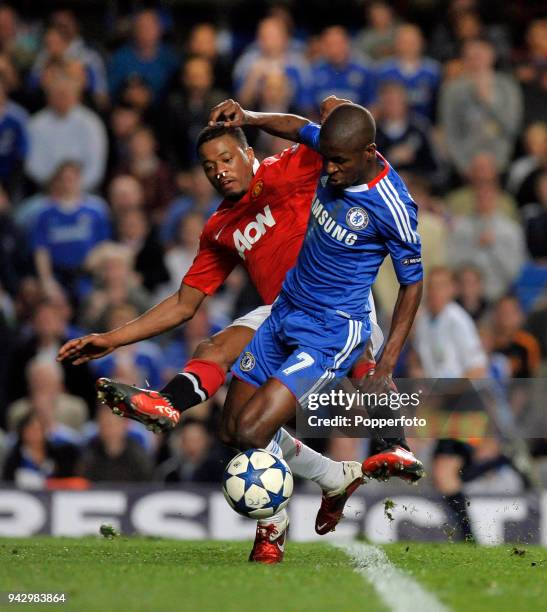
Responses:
[264,229]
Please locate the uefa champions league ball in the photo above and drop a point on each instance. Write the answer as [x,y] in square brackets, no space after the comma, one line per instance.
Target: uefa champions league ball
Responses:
[257,484]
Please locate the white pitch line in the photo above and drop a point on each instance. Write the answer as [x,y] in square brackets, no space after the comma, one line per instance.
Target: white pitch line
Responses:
[396,589]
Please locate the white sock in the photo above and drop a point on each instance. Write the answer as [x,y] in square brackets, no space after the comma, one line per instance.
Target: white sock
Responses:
[276,519]
[274,448]
[309,464]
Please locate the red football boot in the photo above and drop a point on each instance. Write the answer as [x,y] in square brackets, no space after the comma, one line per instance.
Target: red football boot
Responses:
[151,408]
[396,461]
[269,545]
[333,502]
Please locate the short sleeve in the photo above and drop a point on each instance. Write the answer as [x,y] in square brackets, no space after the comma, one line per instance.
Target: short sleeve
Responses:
[300,163]
[38,235]
[211,266]
[309,135]
[398,225]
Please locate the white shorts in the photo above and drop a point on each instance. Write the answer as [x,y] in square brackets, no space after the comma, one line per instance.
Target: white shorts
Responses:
[255,318]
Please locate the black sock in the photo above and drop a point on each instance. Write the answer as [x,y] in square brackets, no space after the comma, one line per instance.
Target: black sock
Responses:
[457,505]
[185,391]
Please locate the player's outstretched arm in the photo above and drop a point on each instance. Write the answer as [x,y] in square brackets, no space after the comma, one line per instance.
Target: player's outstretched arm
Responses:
[404,312]
[174,310]
[230,114]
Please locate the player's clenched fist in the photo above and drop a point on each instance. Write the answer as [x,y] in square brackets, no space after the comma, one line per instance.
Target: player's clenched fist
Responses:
[228,113]
[81,350]
[330,103]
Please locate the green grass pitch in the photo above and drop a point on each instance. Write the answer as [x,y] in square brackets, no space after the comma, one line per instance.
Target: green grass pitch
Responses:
[149,574]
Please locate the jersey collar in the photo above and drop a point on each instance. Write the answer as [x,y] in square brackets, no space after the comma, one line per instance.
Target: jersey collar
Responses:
[375,180]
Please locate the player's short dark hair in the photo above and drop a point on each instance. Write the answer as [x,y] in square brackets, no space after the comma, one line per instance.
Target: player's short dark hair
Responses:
[216,131]
[350,126]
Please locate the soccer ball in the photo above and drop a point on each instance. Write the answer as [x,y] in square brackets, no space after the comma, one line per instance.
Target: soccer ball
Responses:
[257,484]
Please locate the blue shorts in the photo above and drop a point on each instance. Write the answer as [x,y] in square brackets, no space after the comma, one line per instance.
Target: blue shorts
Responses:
[306,351]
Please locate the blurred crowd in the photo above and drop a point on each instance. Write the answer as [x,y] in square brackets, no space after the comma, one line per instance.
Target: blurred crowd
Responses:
[102,200]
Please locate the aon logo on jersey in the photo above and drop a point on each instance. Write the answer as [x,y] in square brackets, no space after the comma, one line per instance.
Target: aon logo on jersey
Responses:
[244,240]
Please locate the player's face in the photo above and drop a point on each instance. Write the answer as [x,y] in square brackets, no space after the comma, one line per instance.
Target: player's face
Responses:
[228,166]
[345,167]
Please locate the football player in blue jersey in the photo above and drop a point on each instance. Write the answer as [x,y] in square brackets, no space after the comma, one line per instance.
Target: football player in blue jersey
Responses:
[319,325]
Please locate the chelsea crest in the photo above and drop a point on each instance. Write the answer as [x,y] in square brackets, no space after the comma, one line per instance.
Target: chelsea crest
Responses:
[357,218]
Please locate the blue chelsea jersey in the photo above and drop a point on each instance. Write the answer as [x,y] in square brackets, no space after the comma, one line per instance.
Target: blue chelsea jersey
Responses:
[349,234]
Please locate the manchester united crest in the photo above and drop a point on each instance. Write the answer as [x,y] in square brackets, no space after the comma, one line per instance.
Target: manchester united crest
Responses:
[257,189]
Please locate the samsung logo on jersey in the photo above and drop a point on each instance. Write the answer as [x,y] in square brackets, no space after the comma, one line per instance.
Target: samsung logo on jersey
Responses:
[330,226]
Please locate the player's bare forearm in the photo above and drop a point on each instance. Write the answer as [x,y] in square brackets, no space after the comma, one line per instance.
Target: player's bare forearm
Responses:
[230,114]
[174,310]
[404,312]
[166,315]
[277,124]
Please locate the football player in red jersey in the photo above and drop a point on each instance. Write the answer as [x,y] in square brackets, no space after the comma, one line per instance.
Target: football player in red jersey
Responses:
[260,224]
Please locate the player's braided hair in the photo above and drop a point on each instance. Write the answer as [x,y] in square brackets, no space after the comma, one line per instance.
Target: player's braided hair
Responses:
[211,132]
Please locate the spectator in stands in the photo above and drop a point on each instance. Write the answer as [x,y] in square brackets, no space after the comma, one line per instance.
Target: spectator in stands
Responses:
[179,258]
[115,283]
[535,217]
[137,94]
[402,137]
[448,346]
[65,231]
[134,231]
[48,330]
[152,173]
[194,459]
[464,24]
[13,141]
[470,292]
[45,380]
[489,240]
[420,75]
[535,146]
[203,41]
[17,44]
[66,130]
[272,52]
[340,72]
[123,122]
[532,71]
[377,39]
[146,56]
[15,260]
[482,177]
[536,322]
[113,456]
[528,189]
[54,49]
[187,111]
[481,110]
[34,458]
[125,194]
[10,76]
[512,340]
[65,20]
[200,197]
